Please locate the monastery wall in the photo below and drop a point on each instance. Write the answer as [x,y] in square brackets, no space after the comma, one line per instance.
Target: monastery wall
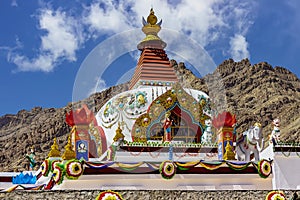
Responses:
[143,195]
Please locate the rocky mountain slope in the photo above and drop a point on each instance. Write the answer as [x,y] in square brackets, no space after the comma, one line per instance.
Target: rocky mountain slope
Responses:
[255,93]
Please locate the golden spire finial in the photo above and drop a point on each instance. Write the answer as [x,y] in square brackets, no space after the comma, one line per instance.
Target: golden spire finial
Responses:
[69,152]
[228,155]
[54,152]
[152,19]
[151,28]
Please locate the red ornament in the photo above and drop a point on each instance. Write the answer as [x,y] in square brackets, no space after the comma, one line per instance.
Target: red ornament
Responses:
[82,116]
[225,119]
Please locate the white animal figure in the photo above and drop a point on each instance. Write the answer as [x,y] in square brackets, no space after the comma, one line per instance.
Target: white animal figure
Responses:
[251,142]
[208,134]
[275,135]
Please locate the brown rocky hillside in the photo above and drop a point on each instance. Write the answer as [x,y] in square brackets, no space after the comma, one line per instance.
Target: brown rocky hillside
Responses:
[255,93]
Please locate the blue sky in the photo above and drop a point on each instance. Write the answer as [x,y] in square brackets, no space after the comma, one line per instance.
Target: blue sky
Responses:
[44,43]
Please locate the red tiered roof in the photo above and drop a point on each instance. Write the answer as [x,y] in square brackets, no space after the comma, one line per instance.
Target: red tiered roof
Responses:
[153,65]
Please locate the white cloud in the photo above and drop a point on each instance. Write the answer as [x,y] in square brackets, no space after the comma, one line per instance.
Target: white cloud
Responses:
[204,21]
[191,17]
[239,15]
[62,39]
[104,17]
[239,47]
[240,18]
[207,22]
[41,63]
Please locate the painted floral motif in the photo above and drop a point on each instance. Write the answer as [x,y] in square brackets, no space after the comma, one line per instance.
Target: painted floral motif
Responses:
[264,168]
[74,169]
[127,106]
[167,169]
[58,175]
[205,104]
[275,195]
[108,109]
[141,99]
[45,167]
[109,195]
[136,104]
[54,162]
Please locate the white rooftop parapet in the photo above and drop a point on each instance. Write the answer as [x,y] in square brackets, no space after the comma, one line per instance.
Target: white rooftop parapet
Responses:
[267,153]
[285,169]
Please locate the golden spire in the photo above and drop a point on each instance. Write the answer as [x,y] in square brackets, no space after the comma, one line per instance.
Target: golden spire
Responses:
[54,152]
[228,155]
[69,152]
[152,19]
[151,29]
[119,134]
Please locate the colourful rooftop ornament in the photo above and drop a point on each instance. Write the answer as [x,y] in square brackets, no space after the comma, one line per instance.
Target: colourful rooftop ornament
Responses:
[54,152]
[87,137]
[228,155]
[69,152]
[225,119]
[24,178]
[224,124]
[82,116]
